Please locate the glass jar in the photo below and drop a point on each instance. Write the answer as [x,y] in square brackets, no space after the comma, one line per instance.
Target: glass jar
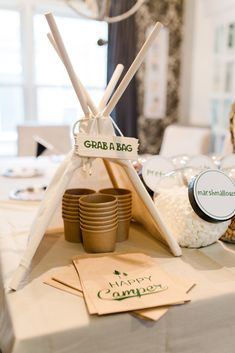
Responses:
[172,201]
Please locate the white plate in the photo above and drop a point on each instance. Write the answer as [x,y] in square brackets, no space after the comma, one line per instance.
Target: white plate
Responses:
[30,193]
[23,172]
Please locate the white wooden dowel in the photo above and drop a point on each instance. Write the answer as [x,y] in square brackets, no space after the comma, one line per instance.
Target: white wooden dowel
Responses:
[67,62]
[132,70]
[85,93]
[111,85]
[53,43]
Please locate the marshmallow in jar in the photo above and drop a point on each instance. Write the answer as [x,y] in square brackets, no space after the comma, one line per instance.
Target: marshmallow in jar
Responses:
[173,202]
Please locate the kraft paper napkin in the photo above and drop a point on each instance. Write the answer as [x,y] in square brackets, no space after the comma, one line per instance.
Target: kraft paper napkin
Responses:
[47,278]
[155,314]
[63,287]
[67,284]
[68,276]
[152,313]
[90,305]
[121,283]
[67,279]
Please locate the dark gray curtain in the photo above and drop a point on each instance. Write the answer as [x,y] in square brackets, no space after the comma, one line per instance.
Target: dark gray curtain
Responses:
[122,49]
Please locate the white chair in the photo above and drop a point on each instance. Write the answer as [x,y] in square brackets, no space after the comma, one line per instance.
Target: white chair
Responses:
[189,140]
[59,136]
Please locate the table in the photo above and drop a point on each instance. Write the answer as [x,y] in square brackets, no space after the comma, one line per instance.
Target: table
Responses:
[39,318]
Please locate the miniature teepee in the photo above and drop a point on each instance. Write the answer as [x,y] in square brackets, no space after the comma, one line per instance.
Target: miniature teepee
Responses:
[121,172]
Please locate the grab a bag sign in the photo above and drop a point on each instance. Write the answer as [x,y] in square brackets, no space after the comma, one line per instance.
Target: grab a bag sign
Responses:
[106,146]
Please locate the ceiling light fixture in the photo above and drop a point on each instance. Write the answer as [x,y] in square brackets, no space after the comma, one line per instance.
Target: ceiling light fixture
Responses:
[99,10]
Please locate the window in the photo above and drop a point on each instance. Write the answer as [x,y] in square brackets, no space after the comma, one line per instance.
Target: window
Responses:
[34,85]
[10,71]
[223,79]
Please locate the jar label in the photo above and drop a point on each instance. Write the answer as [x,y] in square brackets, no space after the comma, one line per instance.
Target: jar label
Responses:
[212,195]
[154,168]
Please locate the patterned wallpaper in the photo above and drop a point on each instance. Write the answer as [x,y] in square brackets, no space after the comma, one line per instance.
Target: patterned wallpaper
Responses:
[170,13]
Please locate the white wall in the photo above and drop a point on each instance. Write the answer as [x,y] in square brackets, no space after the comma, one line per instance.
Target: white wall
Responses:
[196,63]
[200,19]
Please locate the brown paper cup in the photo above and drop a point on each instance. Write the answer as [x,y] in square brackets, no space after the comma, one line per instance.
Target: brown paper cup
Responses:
[71,218]
[97,201]
[72,207]
[71,194]
[100,218]
[70,202]
[70,210]
[96,218]
[122,212]
[71,198]
[72,232]
[118,192]
[99,223]
[98,242]
[123,230]
[124,203]
[124,209]
[74,204]
[70,213]
[99,228]
[124,217]
[98,211]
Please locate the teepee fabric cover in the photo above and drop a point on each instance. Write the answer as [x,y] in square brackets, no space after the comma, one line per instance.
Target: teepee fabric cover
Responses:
[121,172]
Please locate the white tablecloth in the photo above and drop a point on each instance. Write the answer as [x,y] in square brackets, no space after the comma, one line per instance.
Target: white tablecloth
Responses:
[16,216]
[39,318]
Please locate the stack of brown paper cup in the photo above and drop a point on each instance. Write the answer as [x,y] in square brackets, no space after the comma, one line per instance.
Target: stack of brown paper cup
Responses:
[70,213]
[124,202]
[98,222]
